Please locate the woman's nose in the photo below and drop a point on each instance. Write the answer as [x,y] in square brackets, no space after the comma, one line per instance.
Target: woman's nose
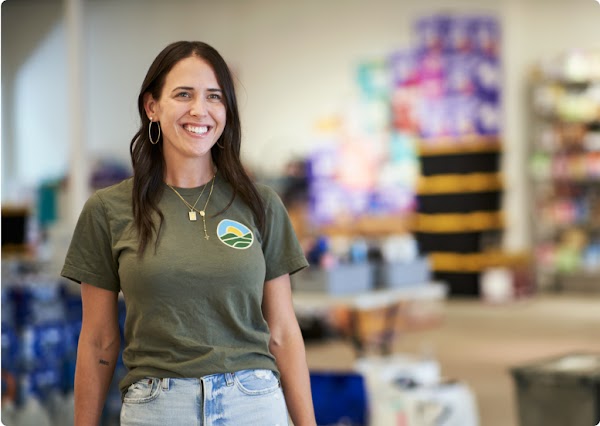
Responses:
[198,108]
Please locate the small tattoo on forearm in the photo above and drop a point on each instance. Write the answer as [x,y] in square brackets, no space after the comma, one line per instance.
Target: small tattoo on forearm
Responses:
[103,362]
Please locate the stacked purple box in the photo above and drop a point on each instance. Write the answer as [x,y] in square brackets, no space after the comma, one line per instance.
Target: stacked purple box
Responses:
[459,76]
[332,199]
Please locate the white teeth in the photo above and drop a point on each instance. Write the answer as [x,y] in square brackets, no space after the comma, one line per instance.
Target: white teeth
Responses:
[196,129]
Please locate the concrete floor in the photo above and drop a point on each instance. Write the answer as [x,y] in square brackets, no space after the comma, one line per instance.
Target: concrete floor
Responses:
[478,343]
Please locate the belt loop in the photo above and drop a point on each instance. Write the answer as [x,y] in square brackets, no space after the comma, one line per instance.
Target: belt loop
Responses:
[165,382]
[229,378]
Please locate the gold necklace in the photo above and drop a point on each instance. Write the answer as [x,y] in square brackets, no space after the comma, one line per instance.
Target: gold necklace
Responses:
[191,213]
[194,209]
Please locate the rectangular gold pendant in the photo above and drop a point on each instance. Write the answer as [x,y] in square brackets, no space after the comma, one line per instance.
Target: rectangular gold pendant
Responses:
[192,216]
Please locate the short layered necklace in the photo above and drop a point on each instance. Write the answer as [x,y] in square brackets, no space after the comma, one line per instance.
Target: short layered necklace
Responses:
[193,209]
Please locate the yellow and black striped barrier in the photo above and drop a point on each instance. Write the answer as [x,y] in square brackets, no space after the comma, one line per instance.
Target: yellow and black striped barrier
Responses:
[459,222]
[459,183]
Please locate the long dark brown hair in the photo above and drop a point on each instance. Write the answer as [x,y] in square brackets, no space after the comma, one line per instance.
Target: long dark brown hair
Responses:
[148,161]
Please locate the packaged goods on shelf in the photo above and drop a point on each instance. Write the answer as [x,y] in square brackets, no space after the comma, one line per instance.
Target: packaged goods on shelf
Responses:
[434,104]
[346,182]
[352,265]
[459,76]
[41,322]
[565,170]
[459,192]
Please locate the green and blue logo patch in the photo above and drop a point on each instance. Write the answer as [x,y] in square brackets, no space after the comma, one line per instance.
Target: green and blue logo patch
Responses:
[234,234]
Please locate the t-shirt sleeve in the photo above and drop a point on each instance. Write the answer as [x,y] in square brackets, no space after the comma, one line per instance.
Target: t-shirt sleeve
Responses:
[282,251]
[90,256]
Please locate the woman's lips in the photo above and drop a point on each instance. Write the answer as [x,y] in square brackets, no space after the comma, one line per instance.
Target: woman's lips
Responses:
[197,130]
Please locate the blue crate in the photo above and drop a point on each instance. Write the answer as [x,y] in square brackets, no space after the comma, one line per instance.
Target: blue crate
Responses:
[339,397]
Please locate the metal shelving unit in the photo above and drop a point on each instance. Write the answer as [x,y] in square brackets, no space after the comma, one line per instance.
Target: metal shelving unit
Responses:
[565,183]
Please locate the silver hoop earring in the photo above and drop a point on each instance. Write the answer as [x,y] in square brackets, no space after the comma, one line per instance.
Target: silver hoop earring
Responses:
[153,142]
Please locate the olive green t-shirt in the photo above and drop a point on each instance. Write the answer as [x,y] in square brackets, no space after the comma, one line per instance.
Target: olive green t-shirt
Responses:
[193,306]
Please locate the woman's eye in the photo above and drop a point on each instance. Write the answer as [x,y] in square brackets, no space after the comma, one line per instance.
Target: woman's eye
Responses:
[183,95]
[215,96]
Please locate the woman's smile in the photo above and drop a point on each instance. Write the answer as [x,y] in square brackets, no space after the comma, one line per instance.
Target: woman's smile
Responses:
[196,130]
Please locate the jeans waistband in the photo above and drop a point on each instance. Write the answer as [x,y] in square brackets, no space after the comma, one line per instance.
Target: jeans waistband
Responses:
[227,377]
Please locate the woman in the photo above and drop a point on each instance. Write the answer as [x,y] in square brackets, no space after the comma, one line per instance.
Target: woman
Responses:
[203,258]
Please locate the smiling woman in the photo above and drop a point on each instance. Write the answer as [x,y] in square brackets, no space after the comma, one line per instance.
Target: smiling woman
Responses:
[192,117]
[205,316]
[194,76]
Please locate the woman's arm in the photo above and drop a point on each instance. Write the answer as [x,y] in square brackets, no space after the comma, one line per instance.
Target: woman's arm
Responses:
[97,353]
[287,346]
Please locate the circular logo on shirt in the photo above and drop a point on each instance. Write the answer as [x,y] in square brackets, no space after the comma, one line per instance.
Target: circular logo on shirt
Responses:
[234,234]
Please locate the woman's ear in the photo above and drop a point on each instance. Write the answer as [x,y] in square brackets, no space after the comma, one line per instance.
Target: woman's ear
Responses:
[150,105]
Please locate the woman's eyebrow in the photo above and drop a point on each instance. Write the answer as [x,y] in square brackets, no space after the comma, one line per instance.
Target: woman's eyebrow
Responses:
[182,88]
[191,88]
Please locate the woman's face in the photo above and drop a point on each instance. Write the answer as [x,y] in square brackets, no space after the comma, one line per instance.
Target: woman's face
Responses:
[191,110]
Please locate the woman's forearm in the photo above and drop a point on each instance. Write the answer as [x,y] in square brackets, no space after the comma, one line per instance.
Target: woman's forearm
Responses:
[291,361]
[93,374]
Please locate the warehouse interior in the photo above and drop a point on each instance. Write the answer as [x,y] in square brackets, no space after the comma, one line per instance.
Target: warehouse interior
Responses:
[439,161]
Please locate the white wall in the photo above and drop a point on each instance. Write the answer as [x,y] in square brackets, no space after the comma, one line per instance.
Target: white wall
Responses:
[299,62]
[296,62]
[33,94]
[123,37]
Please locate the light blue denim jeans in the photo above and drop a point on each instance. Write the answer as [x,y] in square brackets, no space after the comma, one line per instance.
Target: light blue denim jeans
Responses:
[247,397]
